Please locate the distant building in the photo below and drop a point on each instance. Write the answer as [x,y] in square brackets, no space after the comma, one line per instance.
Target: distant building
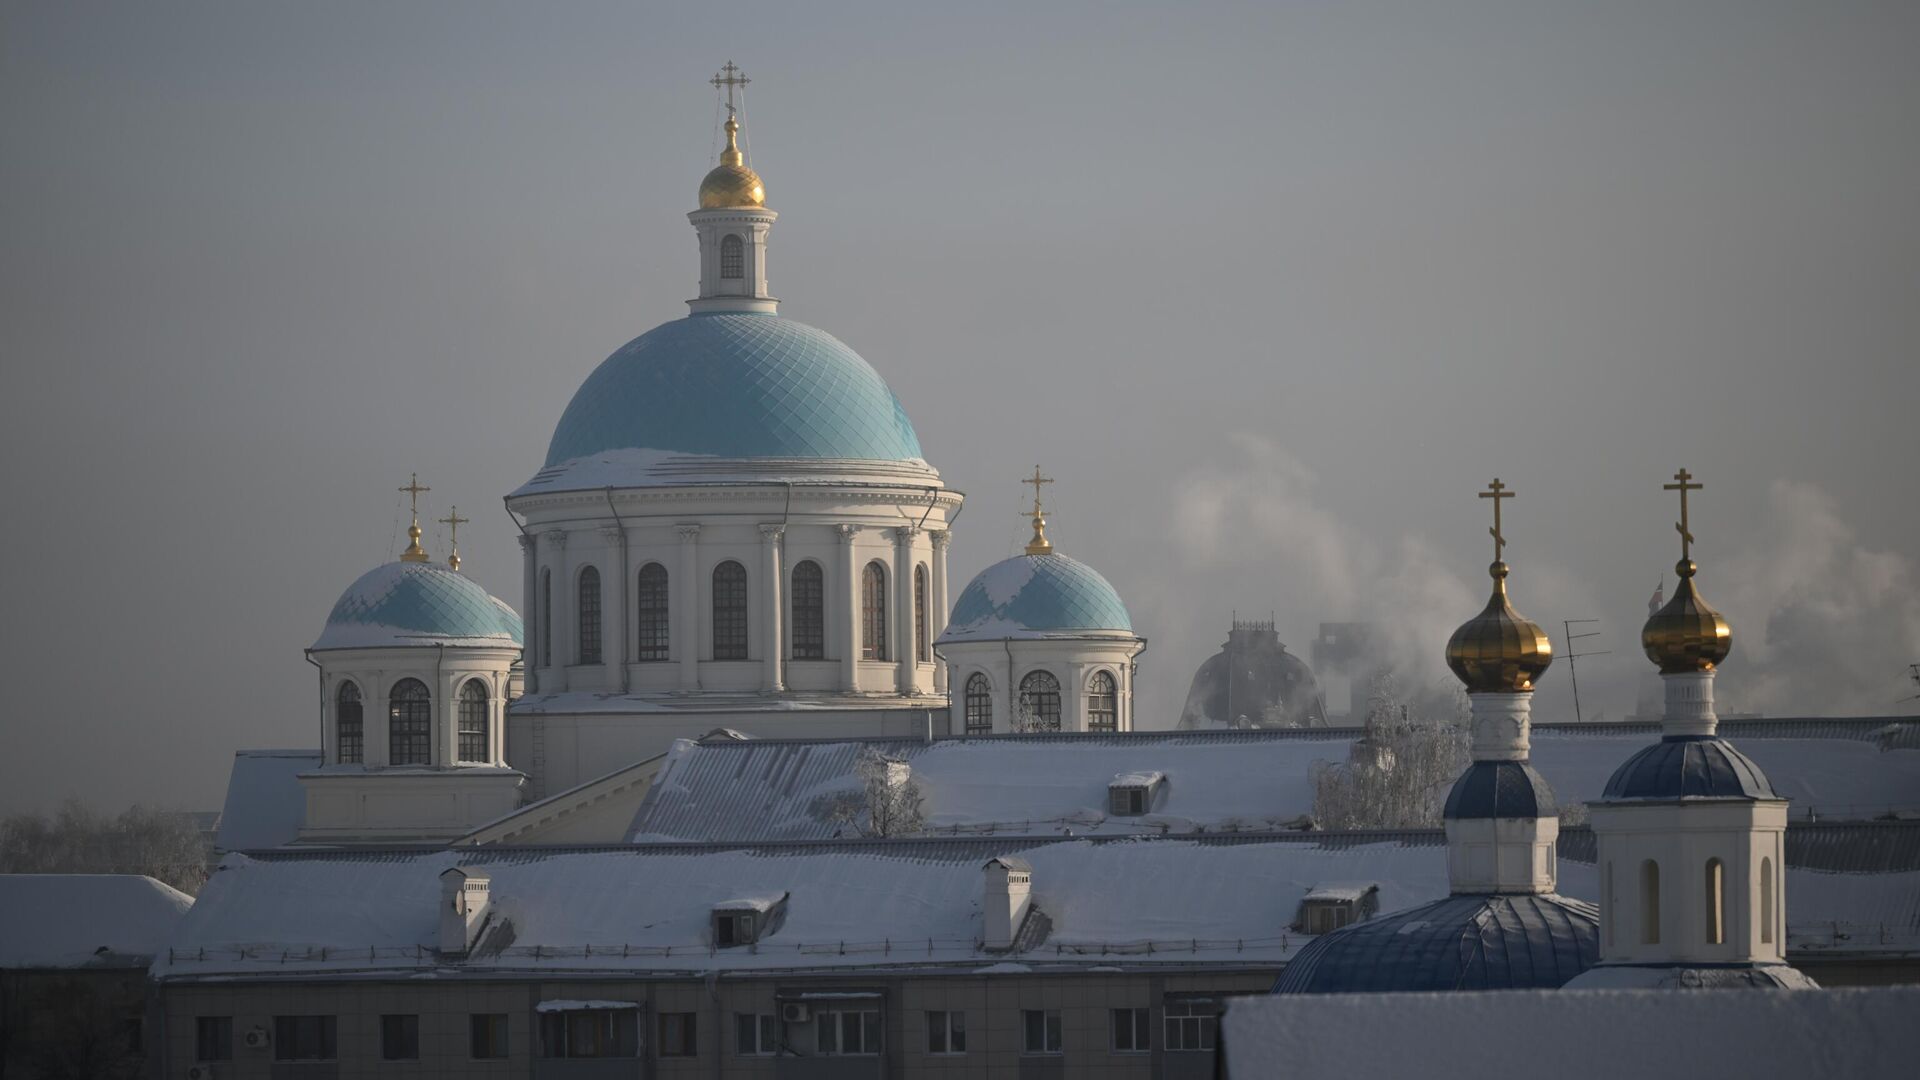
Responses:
[1254,682]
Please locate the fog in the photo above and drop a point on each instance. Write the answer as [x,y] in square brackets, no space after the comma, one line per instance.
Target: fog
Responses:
[1270,289]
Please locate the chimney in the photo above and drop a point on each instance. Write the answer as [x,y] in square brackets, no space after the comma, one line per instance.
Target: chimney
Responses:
[1004,907]
[463,907]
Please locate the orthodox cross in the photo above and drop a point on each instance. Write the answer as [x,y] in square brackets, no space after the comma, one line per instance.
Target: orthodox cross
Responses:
[1686,538]
[1039,545]
[453,521]
[413,490]
[1497,491]
[1036,480]
[729,77]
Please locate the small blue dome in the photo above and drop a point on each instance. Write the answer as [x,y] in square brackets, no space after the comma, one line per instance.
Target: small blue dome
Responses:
[736,386]
[1036,596]
[1689,767]
[416,603]
[1500,789]
[1522,941]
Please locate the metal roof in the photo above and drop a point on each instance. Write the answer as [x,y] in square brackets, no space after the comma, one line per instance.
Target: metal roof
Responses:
[1035,594]
[1474,942]
[418,603]
[1500,789]
[1689,767]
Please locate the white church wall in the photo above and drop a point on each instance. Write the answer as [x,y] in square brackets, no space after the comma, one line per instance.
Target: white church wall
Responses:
[1681,838]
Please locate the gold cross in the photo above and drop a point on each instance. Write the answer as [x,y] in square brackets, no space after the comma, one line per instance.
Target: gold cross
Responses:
[453,521]
[413,490]
[729,77]
[1497,491]
[1036,480]
[1039,545]
[1686,538]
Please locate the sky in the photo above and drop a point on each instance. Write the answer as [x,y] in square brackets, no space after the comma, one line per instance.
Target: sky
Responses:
[1270,289]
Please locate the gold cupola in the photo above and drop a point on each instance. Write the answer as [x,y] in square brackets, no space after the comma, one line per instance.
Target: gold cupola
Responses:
[1687,634]
[1499,651]
[731,185]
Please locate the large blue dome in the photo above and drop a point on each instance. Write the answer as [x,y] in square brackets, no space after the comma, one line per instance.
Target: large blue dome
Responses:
[1464,942]
[418,603]
[732,385]
[1036,596]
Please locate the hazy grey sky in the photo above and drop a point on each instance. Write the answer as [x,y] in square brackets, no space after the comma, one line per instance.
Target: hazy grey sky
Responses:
[1271,289]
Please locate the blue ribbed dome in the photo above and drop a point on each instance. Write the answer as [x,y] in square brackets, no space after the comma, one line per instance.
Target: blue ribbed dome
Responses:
[736,386]
[1500,789]
[1471,942]
[1036,596]
[1689,767]
[417,603]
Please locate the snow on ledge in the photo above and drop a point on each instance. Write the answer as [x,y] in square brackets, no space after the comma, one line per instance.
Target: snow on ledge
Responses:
[552,1005]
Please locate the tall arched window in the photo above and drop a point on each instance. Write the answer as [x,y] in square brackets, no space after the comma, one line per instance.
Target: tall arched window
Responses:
[476,730]
[546,618]
[655,630]
[409,723]
[873,612]
[920,643]
[349,727]
[729,611]
[978,705]
[1716,902]
[732,257]
[1649,903]
[1039,702]
[589,616]
[1103,703]
[1766,901]
[809,611]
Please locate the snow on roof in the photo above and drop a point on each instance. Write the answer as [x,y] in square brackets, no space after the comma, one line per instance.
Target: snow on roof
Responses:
[86,920]
[762,904]
[1575,1034]
[1136,779]
[581,1005]
[265,803]
[1340,890]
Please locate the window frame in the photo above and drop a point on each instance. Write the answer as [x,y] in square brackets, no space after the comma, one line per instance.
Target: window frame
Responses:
[614,1033]
[872,1033]
[653,614]
[977,691]
[679,1034]
[1649,902]
[413,730]
[732,609]
[213,1038]
[922,645]
[399,1036]
[546,616]
[733,258]
[809,610]
[1716,899]
[587,620]
[1102,687]
[1131,1025]
[1048,1029]
[1185,1020]
[474,726]
[342,725]
[1037,702]
[289,1035]
[766,1028]
[946,1032]
[487,1031]
[873,612]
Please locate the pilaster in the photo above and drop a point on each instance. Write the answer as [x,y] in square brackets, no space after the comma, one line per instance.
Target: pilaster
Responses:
[774,643]
[530,606]
[614,590]
[906,659]
[685,621]
[849,609]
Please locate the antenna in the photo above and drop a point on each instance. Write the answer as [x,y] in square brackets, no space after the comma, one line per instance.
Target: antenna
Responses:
[1913,672]
[1573,669]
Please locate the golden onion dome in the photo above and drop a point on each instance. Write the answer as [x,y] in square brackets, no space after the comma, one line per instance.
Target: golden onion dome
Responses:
[1499,651]
[731,184]
[1687,634]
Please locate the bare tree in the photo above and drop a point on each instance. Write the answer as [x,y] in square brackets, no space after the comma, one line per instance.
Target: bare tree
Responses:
[1412,757]
[76,840]
[889,802]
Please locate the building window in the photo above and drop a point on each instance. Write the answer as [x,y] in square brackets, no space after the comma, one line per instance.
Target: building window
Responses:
[350,727]
[1649,903]
[589,611]
[1041,1028]
[489,1036]
[476,736]
[756,1034]
[809,612]
[400,1037]
[946,1032]
[729,611]
[873,612]
[303,1038]
[1103,703]
[590,1033]
[655,629]
[920,643]
[213,1038]
[731,928]
[409,723]
[977,703]
[1130,1030]
[1191,1025]
[679,1035]
[732,257]
[1766,901]
[1716,902]
[1039,702]
[847,1032]
[546,618]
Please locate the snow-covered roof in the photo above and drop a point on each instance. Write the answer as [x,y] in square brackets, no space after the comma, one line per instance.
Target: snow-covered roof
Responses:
[1340,890]
[86,920]
[265,804]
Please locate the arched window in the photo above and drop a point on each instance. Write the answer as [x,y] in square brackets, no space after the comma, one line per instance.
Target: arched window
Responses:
[1103,703]
[732,257]
[655,629]
[1766,901]
[978,705]
[873,612]
[1649,903]
[729,611]
[546,618]
[1607,903]
[809,612]
[476,734]
[409,723]
[1716,902]
[349,726]
[1039,702]
[920,643]
[589,616]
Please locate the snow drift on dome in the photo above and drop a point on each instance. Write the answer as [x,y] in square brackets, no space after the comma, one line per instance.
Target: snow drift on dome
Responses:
[409,603]
[1036,596]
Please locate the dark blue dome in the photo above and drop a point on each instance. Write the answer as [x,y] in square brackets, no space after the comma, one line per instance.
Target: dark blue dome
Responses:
[1500,789]
[1478,942]
[1689,767]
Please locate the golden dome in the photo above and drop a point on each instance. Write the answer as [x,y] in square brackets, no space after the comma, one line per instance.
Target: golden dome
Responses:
[1499,651]
[1687,634]
[731,184]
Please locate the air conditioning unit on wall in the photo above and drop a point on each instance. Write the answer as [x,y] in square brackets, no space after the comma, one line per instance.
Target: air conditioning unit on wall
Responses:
[794,1012]
[257,1038]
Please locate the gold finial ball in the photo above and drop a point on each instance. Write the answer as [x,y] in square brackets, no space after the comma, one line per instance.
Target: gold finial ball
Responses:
[1499,651]
[1687,634]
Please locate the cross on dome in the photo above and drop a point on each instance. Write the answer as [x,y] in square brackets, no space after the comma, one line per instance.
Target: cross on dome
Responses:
[453,521]
[414,552]
[1039,545]
[1686,538]
[730,76]
[1497,491]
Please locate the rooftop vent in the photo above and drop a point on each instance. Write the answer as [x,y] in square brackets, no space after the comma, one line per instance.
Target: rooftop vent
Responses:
[1009,885]
[1331,905]
[463,907]
[746,921]
[1131,794]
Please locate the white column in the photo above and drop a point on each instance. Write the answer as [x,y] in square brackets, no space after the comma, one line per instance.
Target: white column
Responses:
[905,659]
[613,616]
[937,605]
[561,630]
[530,608]
[849,614]
[686,617]
[772,640]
